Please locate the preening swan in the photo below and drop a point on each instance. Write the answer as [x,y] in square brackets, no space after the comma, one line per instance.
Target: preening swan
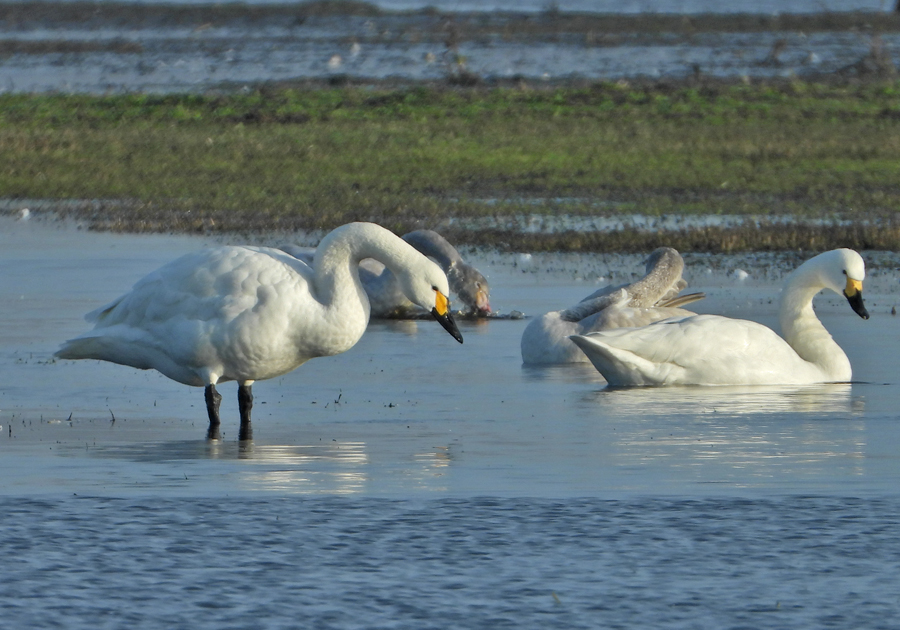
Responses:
[714,350]
[652,298]
[385,295]
[252,313]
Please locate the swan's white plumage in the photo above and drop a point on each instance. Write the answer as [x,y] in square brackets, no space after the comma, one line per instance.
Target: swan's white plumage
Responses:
[252,313]
[654,297]
[714,350]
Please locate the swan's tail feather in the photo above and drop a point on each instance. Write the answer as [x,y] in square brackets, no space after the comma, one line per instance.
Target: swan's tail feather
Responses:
[622,368]
[125,347]
[681,300]
[83,348]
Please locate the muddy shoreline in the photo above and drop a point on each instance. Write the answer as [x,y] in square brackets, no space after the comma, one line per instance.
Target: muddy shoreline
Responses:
[748,241]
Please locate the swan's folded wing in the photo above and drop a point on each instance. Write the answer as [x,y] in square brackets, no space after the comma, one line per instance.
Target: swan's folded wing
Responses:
[681,300]
[629,317]
[199,286]
[305,254]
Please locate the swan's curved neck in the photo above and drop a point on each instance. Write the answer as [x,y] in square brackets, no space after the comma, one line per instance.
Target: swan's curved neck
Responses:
[659,282]
[592,306]
[336,265]
[803,330]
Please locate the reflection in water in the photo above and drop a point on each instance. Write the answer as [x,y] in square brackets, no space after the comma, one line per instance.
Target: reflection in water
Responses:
[333,468]
[563,373]
[407,326]
[338,468]
[739,432]
[731,401]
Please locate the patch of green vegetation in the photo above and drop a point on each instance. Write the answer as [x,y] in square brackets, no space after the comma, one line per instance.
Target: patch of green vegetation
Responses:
[302,157]
[748,237]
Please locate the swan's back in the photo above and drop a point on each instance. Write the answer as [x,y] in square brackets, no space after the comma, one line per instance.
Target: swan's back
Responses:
[209,311]
[545,339]
[213,284]
[696,350]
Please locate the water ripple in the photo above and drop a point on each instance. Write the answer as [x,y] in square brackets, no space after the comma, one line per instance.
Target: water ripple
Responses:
[474,563]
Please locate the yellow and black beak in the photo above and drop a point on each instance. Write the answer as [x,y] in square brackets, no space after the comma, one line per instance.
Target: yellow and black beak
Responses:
[853,293]
[441,312]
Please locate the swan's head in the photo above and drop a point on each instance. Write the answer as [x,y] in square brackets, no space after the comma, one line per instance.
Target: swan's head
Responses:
[843,271]
[428,288]
[471,287]
[664,258]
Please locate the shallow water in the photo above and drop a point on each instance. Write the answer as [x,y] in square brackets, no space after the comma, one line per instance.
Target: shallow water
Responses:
[416,483]
[113,58]
[813,562]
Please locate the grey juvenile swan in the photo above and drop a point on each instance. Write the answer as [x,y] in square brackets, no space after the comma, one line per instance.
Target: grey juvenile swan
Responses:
[652,298]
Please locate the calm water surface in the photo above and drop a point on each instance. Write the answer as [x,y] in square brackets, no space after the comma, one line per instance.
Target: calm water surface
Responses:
[416,483]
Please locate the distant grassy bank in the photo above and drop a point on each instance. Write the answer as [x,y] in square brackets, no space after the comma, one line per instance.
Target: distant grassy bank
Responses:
[315,156]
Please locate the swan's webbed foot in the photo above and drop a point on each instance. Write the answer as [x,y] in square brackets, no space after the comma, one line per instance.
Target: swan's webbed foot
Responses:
[245,404]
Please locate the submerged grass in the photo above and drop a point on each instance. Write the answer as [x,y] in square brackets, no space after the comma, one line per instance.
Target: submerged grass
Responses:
[313,156]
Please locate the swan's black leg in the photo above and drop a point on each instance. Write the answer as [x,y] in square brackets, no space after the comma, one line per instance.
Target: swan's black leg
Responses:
[213,400]
[245,404]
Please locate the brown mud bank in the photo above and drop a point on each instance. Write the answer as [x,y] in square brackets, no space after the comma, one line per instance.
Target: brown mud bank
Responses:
[626,235]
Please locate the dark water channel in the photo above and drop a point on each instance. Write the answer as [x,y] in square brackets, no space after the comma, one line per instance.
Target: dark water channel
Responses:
[122,54]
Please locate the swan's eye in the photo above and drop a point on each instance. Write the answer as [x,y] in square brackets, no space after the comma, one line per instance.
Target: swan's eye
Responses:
[844,271]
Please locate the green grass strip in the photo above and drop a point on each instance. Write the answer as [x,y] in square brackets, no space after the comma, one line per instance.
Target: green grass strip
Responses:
[314,157]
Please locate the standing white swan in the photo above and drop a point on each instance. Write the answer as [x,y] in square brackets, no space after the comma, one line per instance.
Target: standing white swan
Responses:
[385,295]
[654,297]
[714,350]
[252,313]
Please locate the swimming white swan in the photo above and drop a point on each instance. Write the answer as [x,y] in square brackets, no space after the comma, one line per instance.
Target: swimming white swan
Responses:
[252,313]
[652,298]
[385,295]
[714,350]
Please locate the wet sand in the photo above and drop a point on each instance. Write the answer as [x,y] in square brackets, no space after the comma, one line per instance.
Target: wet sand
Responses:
[410,413]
